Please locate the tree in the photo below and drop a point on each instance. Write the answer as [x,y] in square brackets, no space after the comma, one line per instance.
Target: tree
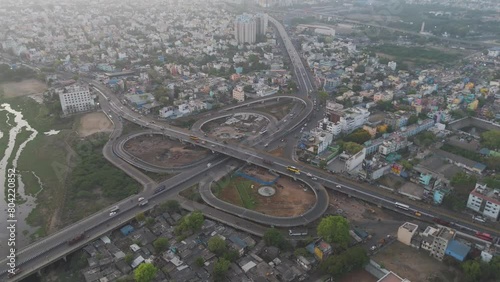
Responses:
[334,229]
[323,96]
[351,147]
[161,244]
[221,267]
[472,270]
[359,136]
[145,272]
[140,217]
[171,206]
[199,261]
[491,139]
[345,262]
[322,164]
[217,245]
[406,164]
[273,237]
[412,119]
[248,88]
[129,258]
[191,222]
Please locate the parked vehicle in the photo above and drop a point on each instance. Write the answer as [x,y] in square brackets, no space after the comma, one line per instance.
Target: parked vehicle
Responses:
[159,189]
[143,203]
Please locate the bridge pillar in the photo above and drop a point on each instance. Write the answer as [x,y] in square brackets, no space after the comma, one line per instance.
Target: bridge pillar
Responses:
[64,258]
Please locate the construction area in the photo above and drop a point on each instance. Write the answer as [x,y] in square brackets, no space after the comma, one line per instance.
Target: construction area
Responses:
[415,265]
[236,127]
[162,151]
[289,198]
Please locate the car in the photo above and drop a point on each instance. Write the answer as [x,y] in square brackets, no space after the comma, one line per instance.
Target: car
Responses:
[140,199]
[160,189]
[373,248]
[309,174]
[152,122]
[112,213]
[314,178]
[338,186]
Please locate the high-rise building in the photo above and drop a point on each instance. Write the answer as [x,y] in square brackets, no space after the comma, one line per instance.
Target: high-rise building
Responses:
[245,29]
[75,98]
[262,23]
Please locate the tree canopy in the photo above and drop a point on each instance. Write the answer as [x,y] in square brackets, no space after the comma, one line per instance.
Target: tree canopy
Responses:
[359,136]
[191,222]
[160,244]
[217,245]
[145,272]
[273,237]
[334,229]
[221,267]
[491,139]
[351,147]
[338,265]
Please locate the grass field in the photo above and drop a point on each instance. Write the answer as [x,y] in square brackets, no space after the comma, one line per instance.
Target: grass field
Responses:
[242,186]
[245,191]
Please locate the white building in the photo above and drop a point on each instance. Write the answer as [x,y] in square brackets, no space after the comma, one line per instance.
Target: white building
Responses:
[355,118]
[494,52]
[436,240]
[262,23]
[238,93]
[75,98]
[319,141]
[485,201]
[245,29]
[392,65]
[355,160]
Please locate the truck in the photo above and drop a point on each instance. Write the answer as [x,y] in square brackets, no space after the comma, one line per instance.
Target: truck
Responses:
[76,239]
[355,236]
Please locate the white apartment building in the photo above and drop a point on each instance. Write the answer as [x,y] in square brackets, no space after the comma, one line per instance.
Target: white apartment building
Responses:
[485,200]
[75,98]
[245,29]
[355,118]
[436,240]
[238,93]
[391,146]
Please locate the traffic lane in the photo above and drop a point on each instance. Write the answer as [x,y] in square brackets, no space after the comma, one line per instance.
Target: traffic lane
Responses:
[97,225]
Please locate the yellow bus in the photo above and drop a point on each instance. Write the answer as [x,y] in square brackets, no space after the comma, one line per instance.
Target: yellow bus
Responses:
[293,169]
[194,137]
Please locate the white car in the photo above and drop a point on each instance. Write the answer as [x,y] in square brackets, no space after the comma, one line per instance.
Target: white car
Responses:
[338,186]
[314,178]
[112,213]
[140,199]
[373,248]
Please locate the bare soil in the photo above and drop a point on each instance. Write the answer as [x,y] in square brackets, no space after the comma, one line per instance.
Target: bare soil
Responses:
[94,123]
[164,152]
[414,265]
[278,152]
[290,198]
[23,88]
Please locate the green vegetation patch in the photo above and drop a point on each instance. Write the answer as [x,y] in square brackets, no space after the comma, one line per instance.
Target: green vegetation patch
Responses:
[244,188]
[416,55]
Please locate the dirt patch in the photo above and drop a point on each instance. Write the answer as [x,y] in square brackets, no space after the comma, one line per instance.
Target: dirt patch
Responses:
[278,152]
[279,110]
[290,199]
[358,276]
[23,88]
[164,152]
[413,264]
[236,127]
[93,123]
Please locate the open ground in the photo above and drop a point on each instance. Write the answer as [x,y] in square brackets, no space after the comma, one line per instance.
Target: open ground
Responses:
[93,123]
[279,110]
[162,151]
[414,265]
[291,199]
[236,127]
[23,88]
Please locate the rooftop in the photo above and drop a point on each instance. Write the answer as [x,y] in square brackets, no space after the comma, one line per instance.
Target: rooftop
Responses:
[409,226]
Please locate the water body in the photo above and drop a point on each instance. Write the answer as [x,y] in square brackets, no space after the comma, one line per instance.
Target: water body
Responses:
[22,210]
[51,132]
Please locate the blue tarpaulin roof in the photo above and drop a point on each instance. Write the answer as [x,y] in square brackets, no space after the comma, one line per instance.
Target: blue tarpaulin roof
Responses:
[127,229]
[457,250]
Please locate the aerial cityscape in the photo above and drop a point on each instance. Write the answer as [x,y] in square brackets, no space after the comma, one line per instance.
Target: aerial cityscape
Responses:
[250,140]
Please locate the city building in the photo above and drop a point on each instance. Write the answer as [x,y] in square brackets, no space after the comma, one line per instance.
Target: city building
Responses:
[245,29]
[406,232]
[396,120]
[262,23]
[75,98]
[436,239]
[318,141]
[355,160]
[239,93]
[457,250]
[393,145]
[485,200]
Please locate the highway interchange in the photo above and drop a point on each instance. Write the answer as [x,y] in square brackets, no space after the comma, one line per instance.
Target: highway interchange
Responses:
[53,247]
